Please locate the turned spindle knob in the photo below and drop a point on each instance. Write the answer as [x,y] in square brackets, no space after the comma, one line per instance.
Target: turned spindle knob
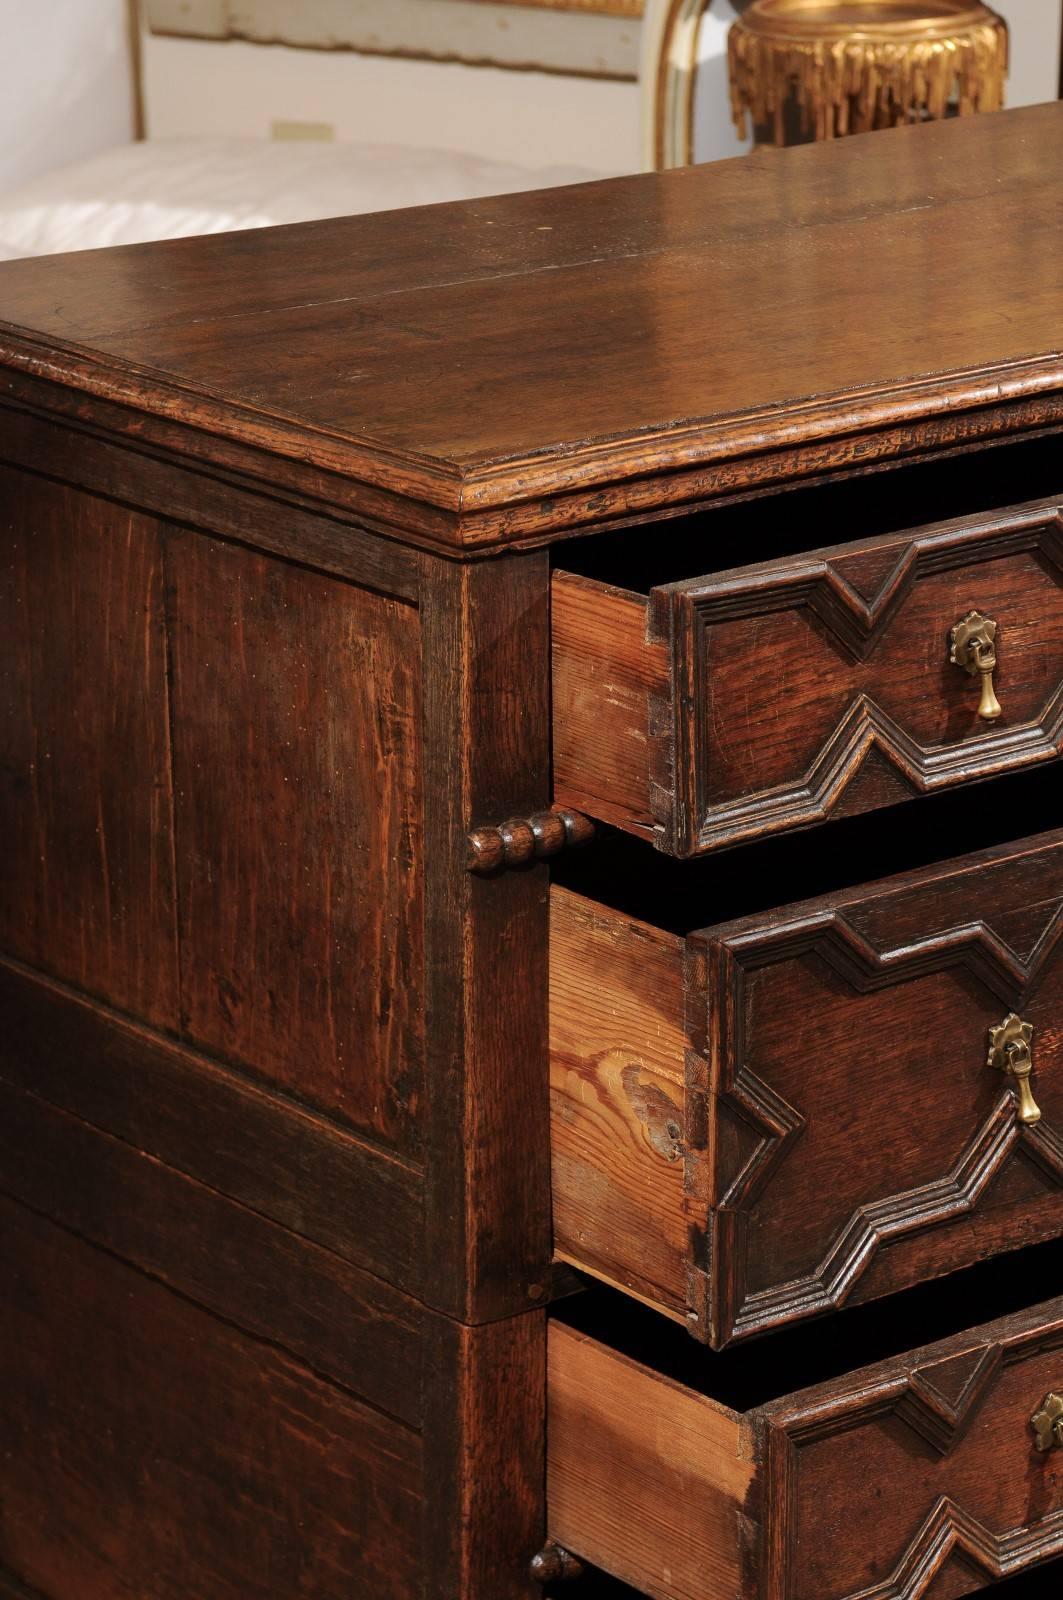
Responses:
[554,1565]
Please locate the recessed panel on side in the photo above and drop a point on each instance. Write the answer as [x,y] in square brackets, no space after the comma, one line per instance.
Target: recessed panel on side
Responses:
[86,862]
[297,747]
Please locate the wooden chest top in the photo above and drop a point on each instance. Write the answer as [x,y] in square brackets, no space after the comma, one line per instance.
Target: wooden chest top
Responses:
[502,371]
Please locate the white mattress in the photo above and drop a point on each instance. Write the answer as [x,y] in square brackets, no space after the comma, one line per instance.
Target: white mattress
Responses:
[167,189]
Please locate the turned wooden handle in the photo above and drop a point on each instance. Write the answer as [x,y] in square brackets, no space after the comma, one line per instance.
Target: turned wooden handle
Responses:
[554,1565]
[523,839]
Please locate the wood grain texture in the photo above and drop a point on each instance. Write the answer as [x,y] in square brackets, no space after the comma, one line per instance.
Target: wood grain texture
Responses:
[645,1478]
[618,1100]
[486,633]
[275,1158]
[297,759]
[204,496]
[251,1263]
[195,1460]
[608,678]
[349,1327]
[929,1460]
[484,1448]
[819,1074]
[86,872]
[915,1476]
[898,986]
[779,694]
[522,840]
[600,290]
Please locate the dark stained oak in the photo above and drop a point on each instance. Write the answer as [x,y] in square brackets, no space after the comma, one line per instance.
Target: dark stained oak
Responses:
[782,1114]
[272,1149]
[487,1116]
[86,812]
[521,840]
[564,368]
[296,709]
[271,1155]
[12,1589]
[351,1328]
[161,1451]
[281,968]
[485,1415]
[203,495]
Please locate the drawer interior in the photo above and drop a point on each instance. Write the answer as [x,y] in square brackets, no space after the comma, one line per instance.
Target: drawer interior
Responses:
[679,896]
[745,1377]
[770,525]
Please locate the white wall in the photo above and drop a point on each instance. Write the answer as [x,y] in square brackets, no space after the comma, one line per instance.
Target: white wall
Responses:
[67,83]
[1034,27]
[534,118]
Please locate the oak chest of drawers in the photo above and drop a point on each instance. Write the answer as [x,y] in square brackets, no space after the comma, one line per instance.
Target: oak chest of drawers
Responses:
[531,932]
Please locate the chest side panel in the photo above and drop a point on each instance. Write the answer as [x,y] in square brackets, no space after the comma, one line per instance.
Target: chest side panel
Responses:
[161,1451]
[86,869]
[296,713]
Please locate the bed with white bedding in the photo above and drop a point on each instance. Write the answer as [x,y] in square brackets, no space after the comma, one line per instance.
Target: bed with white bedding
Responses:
[201,178]
[170,188]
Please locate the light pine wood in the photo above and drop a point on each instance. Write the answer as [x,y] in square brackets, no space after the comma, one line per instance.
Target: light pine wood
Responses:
[644,1477]
[605,675]
[617,1100]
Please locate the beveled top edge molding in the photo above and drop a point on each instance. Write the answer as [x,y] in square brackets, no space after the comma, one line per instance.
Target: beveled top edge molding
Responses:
[478,506]
[703,441]
[153,390]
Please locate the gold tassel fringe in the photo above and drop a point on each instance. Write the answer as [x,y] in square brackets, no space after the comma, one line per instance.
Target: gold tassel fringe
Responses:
[867,79]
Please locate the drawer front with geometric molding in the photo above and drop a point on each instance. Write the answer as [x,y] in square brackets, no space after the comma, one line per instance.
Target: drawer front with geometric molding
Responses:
[932,1472]
[775,696]
[764,1120]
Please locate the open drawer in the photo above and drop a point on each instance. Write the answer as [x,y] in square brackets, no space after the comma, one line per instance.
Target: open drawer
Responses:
[932,1472]
[759,1121]
[768,697]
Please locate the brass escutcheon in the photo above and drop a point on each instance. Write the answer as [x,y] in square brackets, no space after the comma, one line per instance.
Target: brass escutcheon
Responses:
[1010,1051]
[1047,1423]
[972,646]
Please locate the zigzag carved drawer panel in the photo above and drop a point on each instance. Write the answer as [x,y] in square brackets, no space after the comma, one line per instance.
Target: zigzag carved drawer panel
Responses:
[920,1475]
[774,696]
[766,1119]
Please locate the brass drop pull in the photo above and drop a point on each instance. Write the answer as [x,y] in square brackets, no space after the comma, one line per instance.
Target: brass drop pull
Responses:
[972,646]
[1047,1423]
[1010,1051]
